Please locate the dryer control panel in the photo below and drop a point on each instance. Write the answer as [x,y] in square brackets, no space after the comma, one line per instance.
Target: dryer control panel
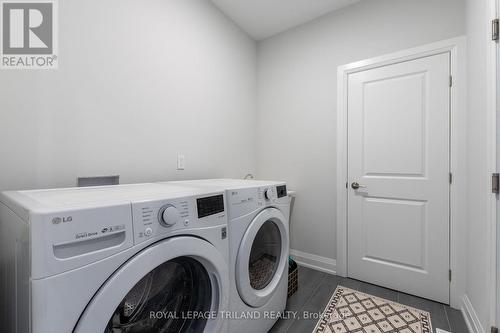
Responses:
[157,218]
[246,200]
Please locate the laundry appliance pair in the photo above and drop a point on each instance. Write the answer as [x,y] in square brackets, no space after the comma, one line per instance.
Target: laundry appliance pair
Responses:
[144,258]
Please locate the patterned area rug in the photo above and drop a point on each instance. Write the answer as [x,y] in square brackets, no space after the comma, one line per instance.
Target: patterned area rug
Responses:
[352,311]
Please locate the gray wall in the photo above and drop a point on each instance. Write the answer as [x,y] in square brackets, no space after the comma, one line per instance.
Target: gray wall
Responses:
[297,98]
[136,84]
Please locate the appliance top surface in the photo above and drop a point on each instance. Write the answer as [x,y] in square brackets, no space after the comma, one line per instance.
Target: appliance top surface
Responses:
[227,183]
[87,196]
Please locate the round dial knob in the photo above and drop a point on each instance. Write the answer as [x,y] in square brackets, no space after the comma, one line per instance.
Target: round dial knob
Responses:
[169,216]
[269,194]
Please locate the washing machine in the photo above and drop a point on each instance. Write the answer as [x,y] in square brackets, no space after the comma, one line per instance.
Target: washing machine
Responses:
[134,258]
[258,248]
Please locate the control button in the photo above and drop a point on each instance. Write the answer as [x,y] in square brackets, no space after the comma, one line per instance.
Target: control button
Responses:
[268,194]
[186,222]
[148,232]
[168,216]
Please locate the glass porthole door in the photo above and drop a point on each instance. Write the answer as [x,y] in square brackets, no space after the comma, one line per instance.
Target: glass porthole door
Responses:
[162,300]
[262,257]
[265,255]
[177,285]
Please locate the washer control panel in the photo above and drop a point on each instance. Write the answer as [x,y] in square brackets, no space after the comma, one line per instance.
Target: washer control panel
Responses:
[157,218]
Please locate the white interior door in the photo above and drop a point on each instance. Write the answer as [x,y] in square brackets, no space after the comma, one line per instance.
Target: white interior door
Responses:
[398,153]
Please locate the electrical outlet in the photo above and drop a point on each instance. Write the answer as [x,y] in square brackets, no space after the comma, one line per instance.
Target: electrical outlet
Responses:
[181,161]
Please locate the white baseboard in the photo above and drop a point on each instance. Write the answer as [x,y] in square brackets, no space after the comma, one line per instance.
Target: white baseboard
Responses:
[313,261]
[470,316]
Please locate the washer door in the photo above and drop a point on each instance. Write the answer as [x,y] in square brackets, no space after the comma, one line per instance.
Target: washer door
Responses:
[262,257]
[176,285]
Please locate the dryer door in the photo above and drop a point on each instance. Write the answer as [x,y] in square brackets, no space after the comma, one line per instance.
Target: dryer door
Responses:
[262,257]
[176,285]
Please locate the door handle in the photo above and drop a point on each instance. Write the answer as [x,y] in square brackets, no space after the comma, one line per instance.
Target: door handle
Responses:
[356,186]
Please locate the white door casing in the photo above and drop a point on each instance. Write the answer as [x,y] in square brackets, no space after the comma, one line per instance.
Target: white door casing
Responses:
[493,149]
[399,148]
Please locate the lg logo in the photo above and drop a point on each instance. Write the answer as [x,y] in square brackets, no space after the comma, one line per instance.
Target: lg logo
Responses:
[57,220]
[28,34]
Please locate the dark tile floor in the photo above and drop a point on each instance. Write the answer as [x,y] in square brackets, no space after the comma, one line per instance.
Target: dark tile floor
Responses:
[316,288]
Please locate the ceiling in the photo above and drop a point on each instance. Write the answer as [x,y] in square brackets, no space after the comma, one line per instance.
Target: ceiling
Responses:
[264,18]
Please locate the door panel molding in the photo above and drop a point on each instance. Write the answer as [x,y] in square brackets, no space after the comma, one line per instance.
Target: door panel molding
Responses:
[456,47]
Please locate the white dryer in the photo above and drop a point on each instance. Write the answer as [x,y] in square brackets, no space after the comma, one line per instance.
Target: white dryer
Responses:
[258,247]
[136,258]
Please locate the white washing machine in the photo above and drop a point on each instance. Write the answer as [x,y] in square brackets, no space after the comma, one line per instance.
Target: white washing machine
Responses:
[136,258]
[258,247]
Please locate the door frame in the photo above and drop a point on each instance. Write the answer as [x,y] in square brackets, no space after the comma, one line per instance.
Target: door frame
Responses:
[457,49]
[493,163]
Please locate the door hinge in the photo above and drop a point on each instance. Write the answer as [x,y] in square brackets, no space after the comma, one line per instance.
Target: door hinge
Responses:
[451,81]
[495,184]
[494,329]
[346,185]
[449,275]
[451,178]
[495,30]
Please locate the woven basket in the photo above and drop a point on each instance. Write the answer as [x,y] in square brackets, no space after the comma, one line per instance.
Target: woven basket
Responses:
[293,277]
